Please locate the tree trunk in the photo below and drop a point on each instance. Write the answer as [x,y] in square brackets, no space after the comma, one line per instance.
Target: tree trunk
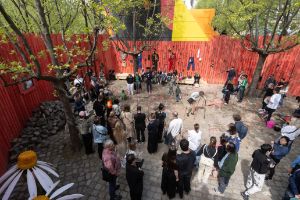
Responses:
[254,84]
[135,63]
[70,119]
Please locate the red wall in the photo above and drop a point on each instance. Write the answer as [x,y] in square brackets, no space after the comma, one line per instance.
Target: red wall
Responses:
[221,51]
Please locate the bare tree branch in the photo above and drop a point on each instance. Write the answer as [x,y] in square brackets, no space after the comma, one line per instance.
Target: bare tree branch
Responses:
[18,32]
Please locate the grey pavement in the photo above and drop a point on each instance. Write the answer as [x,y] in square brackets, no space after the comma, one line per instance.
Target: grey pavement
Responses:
[85,171]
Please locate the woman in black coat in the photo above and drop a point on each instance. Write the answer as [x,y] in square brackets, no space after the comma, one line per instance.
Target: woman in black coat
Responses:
[170,173]
[152,134]
[134,177]
[229,90]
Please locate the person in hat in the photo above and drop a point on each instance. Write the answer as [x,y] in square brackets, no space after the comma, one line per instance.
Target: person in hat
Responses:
[84,123]
[160,116]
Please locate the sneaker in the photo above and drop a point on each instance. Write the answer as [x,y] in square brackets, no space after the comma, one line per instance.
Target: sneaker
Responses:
[225,103]
[245,197]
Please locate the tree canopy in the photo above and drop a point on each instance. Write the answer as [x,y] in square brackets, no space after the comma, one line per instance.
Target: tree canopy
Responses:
[263,26]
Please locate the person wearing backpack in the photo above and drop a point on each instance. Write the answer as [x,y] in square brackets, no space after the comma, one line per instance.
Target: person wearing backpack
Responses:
[160,116]
[258,170]
[241,129]
[208,154]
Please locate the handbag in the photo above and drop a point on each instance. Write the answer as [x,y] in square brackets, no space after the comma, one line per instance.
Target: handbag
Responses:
[106,175]
[207,161]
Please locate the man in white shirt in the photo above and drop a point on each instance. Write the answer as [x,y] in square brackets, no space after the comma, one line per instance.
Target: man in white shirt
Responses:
[194,98]
[292,130]
[273,103]
[175,126]
[194,138]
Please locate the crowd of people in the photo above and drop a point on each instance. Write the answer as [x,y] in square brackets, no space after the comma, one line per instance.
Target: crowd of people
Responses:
[117,129]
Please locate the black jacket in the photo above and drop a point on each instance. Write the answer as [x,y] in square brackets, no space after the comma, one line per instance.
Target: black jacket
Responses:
[130,79]
[185,163]
[134,177]
[139,120]
[260,162]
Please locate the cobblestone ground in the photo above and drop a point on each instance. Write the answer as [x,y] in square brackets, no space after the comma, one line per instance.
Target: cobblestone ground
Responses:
[85,171]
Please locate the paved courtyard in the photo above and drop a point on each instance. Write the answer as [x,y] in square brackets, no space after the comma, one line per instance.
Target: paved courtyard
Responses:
[85,171]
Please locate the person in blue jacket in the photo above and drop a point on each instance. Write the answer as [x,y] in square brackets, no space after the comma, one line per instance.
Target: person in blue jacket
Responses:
[280,150]
[293,190]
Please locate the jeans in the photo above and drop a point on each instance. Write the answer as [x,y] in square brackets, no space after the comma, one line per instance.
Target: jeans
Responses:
[140,134]
[112,188]
[241,93]
[184,184]
[177,98]
[272,170]
[270,112]
[149,86]
[189,66]
[223,183]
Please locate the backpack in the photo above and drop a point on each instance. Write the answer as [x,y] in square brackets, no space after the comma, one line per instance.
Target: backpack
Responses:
[242,129]
[161,117]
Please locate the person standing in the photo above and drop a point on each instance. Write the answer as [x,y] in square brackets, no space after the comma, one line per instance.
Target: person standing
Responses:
[84,124]
[194,138]
[140,124]
[242,87]
[155,59]
[177,93]
[185,162]
[160,116]
[152,134]
[111,163]
[169,180]
[273,103]
[100,135]
[134,177]
[100,108]
[206,164]
[241,129]
[127,118]
[130,84]
[137,82]
[227,167]
[116,128]
[269,92]
[174,129]
[149,76]
[231,73]
[228,91]
[116,107]
[258,170]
